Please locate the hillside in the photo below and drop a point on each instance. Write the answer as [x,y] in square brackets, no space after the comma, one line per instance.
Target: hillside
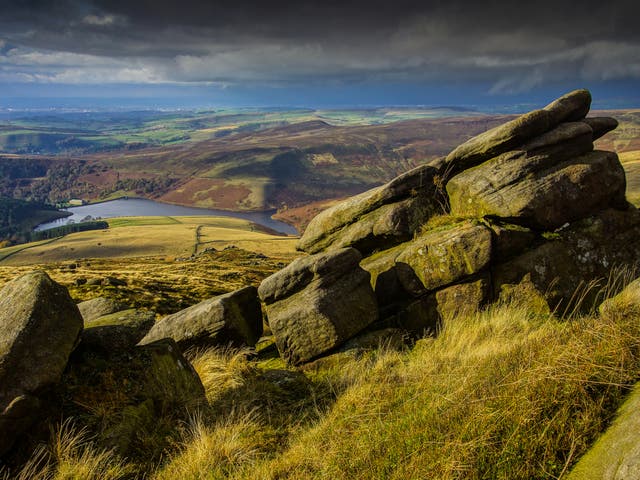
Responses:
[166,263]
[289,162]
[474,317]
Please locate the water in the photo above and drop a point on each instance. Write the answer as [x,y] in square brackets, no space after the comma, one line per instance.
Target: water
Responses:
[139,207]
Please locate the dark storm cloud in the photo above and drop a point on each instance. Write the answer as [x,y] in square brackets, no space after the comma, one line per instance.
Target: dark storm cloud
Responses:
[514,46]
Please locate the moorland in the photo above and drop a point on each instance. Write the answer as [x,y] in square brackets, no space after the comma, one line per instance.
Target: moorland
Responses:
[509,391]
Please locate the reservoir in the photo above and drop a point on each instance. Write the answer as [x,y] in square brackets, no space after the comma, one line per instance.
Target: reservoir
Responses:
[140,207]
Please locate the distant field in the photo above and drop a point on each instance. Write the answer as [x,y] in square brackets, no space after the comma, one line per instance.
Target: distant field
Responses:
[631,163]
[151,236]
[103,131]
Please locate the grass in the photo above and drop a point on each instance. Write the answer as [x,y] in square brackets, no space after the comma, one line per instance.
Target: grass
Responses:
[497,395]
[631,162]
[505,393]
[71,455]
[151,236]
[163,284]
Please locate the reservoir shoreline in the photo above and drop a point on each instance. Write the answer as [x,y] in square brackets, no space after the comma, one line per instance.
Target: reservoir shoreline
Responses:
[142,207]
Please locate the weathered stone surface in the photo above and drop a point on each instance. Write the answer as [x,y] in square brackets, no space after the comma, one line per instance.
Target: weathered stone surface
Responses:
[544,199]
[570,107]
[299,273]
[386,226]
[616,454]
[385,281]
[377,218]
[98,307]
[234,318]
[442,257]
[524,293]
[587,250]
[601,125]
[39,327]
[510,240]
[118,331]
[317,303]
[463,298]
[424,316]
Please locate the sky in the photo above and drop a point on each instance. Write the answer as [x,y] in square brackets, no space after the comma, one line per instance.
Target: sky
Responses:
[318,53]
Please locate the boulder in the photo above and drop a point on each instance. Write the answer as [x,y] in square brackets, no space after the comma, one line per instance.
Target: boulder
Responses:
[98,307]
[544,199]
[117,332]
[501,139]
[317,303]
[39,327]
[378,218]
[616,454]
[442,257]
[584,252]
[233,318]
[601,125]
[570,107]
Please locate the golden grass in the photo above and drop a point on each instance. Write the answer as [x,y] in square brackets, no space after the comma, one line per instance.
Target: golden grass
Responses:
[499,395]
[151,236]
[222,369]
[71,455]
[213,451]
[505,393]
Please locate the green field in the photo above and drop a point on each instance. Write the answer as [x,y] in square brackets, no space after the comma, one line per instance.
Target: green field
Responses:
[98,131]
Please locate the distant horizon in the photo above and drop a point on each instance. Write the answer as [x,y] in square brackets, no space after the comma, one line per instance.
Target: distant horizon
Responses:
[494,56]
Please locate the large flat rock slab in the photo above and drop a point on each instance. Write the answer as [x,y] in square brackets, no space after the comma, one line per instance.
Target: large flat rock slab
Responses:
[233,318]
[544,199]
[378,218]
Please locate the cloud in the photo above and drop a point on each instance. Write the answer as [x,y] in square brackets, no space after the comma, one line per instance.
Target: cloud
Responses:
[104,20]
[512,46]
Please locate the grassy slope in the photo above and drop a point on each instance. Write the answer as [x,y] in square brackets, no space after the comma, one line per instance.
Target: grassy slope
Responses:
[153,255]
[504,394]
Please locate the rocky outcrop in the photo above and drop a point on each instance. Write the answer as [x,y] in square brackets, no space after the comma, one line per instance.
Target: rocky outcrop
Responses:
[380,217]
[532,206]
[116,332]
[39,327]
[317,303]
[233,318]
[551,180]
[98,307]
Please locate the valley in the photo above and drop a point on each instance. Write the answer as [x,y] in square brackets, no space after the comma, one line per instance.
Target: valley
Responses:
[293,161]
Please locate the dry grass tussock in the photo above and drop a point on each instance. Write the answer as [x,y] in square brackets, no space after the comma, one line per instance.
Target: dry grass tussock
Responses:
[501,394]
[72,455]
[504,393]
